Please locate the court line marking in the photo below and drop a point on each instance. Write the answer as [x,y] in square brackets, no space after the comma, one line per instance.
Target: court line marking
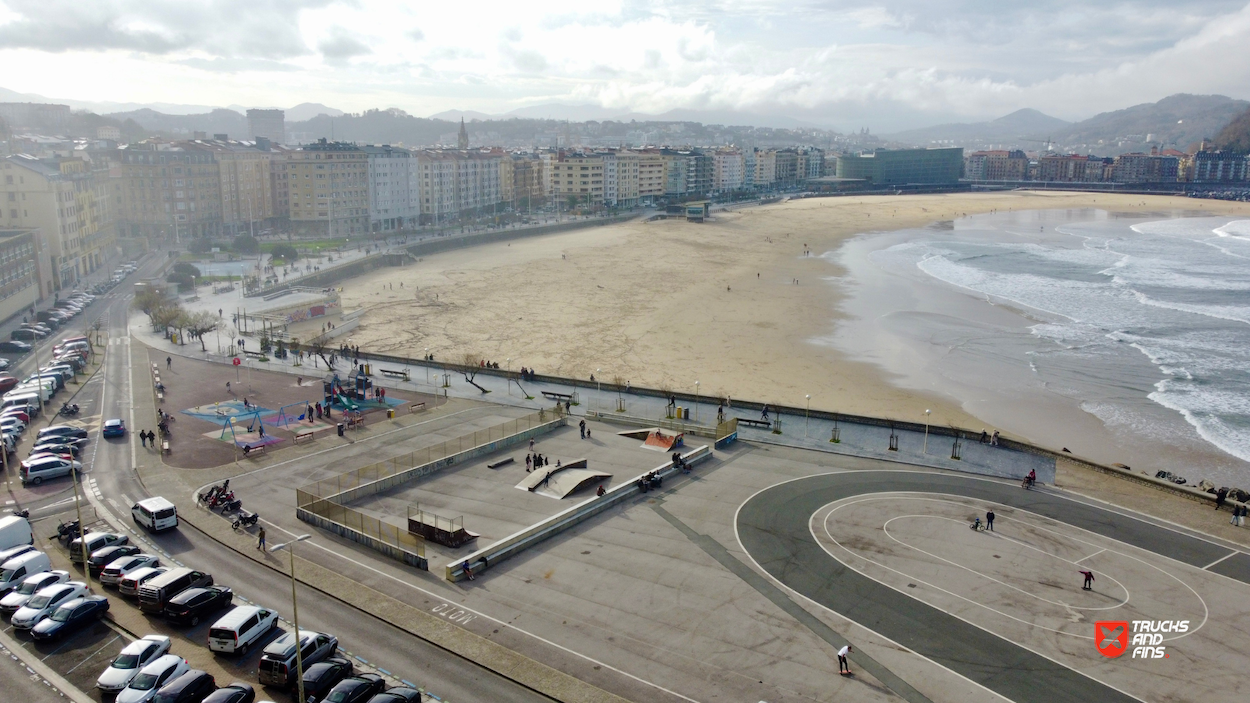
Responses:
[885,529]
[1226,556]
[1206,613]
[1091,556]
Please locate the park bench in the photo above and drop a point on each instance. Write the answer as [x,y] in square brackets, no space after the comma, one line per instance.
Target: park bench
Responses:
[552,395]
[502,462]
[165,446]
[250,449]
[252,354]
[416,407]
[755,423]
[304,434]
[394,373]
[160,395]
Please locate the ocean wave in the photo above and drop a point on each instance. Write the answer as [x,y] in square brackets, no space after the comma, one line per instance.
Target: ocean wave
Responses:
[1232,313]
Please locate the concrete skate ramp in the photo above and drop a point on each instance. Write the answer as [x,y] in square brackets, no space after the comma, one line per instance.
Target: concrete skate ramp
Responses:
[661,441]
[638,434]
[559,481]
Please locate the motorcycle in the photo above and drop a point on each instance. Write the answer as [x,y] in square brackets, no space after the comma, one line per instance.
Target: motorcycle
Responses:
[21,512]
[68,410]
[213,492]
[245,519]
[67,531]
[231,505]
[220,498]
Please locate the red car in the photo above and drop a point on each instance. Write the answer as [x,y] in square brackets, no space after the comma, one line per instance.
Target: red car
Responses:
[7,383]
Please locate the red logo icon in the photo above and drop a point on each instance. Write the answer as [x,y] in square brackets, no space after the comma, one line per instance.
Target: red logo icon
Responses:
[1111,637]
[236,361]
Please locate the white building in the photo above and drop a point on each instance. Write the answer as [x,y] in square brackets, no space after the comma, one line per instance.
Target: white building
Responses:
[394,198]
[729,169]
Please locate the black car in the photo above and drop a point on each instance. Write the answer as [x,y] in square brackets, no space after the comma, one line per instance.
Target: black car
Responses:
[101,558]
[237,692]
[325,675]
[71,616]
[188,607]
[61,431]
[57,448]
[398,694]
[356,689]
[24,333]
[14,347]
[192,687]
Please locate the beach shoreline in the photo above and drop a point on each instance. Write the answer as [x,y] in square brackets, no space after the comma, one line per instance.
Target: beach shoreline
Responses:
[739,304]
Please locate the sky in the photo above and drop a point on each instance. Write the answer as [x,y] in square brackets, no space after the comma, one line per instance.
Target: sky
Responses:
[891,64]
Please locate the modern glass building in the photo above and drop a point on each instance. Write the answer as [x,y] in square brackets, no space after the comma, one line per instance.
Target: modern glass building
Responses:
[885,167]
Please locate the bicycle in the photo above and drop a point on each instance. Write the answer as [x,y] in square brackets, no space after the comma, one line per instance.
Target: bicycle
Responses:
[977,525]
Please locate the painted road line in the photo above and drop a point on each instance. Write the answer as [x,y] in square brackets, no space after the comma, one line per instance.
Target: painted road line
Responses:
[1230,554]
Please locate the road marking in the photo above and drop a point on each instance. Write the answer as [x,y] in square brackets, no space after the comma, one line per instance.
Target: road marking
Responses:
[84,661]
[1100,551]
[1230,554]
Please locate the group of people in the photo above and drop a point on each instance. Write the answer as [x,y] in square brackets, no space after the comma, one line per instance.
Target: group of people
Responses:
[527,374]
[535,460]
[680,463]
[488,364]
[990,439]
[650,480]
[146,436]
[583,429]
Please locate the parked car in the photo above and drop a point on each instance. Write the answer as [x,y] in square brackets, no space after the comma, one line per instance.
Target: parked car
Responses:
[34,583]
[237,692]
[193,604]
[325,675]
[26,334]
[43,467]
[14,347]
[63,431]
[7,383]
[236,631]
[133,657]
[130,583]
[45,602]
[114,428]
[71,617]
[101,558]
[356,689]
[56,448]
[192,687]
[119,568]
[151,677]
[95,541]
[398,694]
[277,664]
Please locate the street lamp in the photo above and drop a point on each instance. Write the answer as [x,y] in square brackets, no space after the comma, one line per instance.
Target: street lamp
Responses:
[299,657]
[598,392]
[807,415]
[925,449]
[696,401]
[427,366]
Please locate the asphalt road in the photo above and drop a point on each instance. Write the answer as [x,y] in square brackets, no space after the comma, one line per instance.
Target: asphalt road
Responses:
[773,528]
[405,656]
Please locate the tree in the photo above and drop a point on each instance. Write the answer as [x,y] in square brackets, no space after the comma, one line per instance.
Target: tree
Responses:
[470,363]
[200,324]
[186,268]
[148,300]
[245,244]
[201,245]
[286,252]
[164,315]
[1236,134]
[180,323]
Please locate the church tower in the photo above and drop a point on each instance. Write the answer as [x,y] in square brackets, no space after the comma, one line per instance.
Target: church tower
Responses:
[462,142]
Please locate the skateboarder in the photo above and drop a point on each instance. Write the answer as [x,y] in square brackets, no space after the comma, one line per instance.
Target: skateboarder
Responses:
[843,664]
[1089,580]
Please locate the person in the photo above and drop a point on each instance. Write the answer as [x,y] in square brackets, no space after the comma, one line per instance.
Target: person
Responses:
[531,444]
[261,428]
[994,439]
[143,437]
[1236,515]
[985,436]
[764,414]
[843,664]
[169,362]
[227,386]
[601,492]
[587,433]
[567,406]
[260,538]
[299,380]
[1220,496]
[720,414]
[529,463]
[1032,477]
[989,520]
[468,571]
[1089,580]
[581,427]
[976,523]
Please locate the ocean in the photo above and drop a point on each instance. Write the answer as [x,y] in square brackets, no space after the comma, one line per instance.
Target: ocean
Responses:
[1123,338]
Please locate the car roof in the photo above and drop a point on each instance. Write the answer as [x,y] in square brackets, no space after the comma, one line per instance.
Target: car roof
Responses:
[114,421]
[161,663]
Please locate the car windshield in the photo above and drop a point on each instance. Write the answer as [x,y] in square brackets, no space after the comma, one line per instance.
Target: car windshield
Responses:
[338,696]
[62,614]
[144,682]
[7,575]
[39,602]
[126,661]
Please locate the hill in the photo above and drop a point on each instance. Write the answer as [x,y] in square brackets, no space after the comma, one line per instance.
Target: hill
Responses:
[1007,129]
[1175,121]
[1236,134]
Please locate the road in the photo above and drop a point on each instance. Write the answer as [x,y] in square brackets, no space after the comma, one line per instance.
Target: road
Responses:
[773,528]
[111,467]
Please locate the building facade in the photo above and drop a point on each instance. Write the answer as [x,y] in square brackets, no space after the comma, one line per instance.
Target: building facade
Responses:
[329,189]
[270,124]
[896,167]
[19,276]
[577,180]
[997,165]
[394,200]
[170,191]
[1220,167]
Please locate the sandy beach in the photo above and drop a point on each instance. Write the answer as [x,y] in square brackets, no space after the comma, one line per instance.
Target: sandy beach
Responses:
[733,303]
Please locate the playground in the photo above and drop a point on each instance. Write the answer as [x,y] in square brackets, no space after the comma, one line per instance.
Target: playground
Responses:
[221,414]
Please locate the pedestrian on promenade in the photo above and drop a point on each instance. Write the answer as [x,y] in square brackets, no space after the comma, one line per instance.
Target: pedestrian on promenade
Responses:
[989,520]
[169,362]
[531,444]
[1220,496]
[1089,580]
[529,463]
[994,439]
[260,539]
[581,426]
[143,437]
[843,663]
[764,414]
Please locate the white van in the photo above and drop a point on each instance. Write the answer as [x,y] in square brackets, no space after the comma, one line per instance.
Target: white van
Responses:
[20,399]
[15,531]
[155,514]
[241,628]
[17,569]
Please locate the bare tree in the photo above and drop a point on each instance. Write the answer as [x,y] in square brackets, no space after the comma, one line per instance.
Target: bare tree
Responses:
[470,363]
[200,324]
[163,317]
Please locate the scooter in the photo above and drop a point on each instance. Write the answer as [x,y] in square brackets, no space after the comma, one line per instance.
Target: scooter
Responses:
[21,512]
[68,410]
[213,491]
[67,531]
[245,519]
[231,505]
[221,498]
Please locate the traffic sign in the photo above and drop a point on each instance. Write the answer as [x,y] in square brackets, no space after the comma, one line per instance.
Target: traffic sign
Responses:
[236,361]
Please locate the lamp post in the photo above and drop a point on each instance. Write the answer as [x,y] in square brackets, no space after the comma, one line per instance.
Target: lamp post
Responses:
[427,367]
[807,415]
[925,449]
[696,401]
[299,657]
[598,392]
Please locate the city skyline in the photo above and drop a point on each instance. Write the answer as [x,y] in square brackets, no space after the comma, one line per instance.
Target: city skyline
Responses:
[894,65]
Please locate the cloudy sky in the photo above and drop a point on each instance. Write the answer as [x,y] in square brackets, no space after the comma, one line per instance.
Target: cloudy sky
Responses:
[890,64]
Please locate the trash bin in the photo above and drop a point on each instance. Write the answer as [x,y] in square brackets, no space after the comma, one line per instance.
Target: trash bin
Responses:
[341,429]
[390,413]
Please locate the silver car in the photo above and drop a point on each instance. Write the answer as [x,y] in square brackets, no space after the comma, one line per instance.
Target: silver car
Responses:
[45,601]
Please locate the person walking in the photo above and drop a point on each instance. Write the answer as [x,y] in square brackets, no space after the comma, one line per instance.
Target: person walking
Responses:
[581,427]
[994,439]
[169,362]
[989,520]
[764,414]
[260,539]
[844,665]
[143,437]
[529,463]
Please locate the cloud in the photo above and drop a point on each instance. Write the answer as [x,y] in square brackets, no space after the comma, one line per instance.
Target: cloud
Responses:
[341,46]
[416,34]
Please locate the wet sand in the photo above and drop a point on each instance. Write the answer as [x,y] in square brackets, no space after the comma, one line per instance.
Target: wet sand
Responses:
[667,303]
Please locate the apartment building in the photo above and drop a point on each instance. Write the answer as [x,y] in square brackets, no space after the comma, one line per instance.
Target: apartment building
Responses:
[1069,168]
[66,200]
[728,170]
[527,190]
[169,190]
[394,200]
[455,183]
[19,273]
[577,179]
[620,178]
[329,188]
[652,174]
[245,182]
[765,168]
[1146,168]
[1219,167]
[997,165]
[270,124]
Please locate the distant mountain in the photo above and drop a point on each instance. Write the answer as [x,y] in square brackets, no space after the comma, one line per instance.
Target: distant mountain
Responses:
[468,115]
[1026,123]
[307,111]
[1236,134]
[219,121]
[1175,121]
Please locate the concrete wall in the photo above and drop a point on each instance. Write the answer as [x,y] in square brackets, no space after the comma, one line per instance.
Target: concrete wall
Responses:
[359,537]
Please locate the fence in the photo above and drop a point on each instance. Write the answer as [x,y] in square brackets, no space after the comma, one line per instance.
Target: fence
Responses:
[323,503]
